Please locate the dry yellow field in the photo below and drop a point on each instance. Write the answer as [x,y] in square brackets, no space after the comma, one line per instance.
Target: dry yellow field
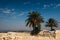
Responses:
[27,36]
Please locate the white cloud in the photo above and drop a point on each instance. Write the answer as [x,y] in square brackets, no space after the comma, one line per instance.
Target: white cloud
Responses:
[58,5]
[6,10]
[22,13]
[26,2]
[12,12]
[13,9]
[46,6]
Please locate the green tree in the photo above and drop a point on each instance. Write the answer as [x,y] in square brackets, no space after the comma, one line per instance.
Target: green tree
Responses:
[34,19]
[51,23]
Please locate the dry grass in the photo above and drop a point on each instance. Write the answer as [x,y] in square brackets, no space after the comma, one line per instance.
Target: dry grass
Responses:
[27,36]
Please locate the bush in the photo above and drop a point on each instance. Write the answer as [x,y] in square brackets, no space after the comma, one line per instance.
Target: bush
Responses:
[35,31]
[52,30]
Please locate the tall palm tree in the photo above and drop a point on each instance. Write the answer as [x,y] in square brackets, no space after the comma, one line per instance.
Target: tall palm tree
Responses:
[51,23]
[34,19]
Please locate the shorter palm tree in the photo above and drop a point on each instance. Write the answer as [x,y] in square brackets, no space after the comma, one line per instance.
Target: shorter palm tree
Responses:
[51,23]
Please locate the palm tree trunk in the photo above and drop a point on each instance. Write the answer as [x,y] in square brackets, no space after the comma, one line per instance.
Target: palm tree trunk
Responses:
[51,28]
[33,26]
[33,31]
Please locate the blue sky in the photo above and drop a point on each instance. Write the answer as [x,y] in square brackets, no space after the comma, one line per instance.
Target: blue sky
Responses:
[13,13]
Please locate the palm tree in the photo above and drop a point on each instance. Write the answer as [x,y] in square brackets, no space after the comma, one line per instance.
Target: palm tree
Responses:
[34,19]
[52,23]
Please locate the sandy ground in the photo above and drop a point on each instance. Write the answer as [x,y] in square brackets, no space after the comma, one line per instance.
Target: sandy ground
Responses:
[27,36]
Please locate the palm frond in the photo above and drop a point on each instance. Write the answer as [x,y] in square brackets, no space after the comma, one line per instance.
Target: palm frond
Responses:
[27,23]
[34,19]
